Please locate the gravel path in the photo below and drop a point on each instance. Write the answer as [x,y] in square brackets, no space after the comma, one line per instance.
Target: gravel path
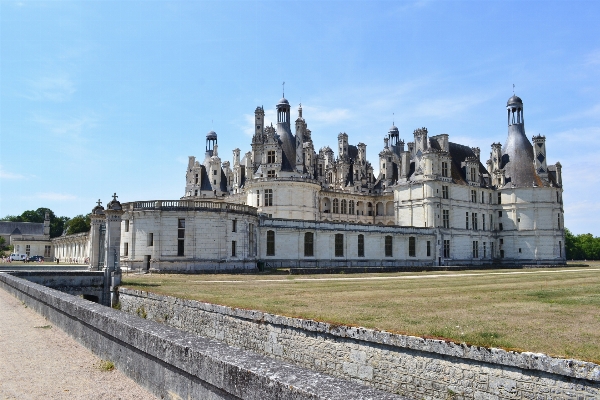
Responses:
[40,361]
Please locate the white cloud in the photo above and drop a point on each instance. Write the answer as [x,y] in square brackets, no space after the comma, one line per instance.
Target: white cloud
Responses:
[71,127]
[9,175]
[325,116]
[53,88]
[55,196]
[449,106]
[593,58]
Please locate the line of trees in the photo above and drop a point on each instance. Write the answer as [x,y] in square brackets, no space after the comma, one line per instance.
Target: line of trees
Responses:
[582,247]
[58,225]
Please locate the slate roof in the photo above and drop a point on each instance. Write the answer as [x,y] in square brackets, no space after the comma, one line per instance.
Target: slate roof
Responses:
[21,228]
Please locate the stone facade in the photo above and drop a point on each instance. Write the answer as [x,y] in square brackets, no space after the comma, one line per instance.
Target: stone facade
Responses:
[410,366]
[286,204]
[30,238]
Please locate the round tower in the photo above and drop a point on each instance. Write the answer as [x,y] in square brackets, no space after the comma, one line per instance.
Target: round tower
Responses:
[517,153]
[211,141]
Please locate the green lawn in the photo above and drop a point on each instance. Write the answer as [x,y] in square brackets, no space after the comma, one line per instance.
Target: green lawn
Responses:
[554,311]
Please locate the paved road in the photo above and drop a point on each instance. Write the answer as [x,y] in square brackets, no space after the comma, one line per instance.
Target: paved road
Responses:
[39,361]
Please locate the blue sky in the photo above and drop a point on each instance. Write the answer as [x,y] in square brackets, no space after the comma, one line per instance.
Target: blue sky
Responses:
[99,97]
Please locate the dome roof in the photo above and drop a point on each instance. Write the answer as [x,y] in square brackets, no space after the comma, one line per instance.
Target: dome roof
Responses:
[211,135]
[283,101]
[514,99]
[393,128]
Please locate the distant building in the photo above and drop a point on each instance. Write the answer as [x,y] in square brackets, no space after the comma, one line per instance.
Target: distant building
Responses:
[31,238]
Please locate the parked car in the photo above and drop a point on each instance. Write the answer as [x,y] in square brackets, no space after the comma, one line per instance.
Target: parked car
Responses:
[36,258]
[18,257]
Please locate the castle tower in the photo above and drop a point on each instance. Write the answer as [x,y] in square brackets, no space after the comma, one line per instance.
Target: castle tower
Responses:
[342,145]
[47,225]
[211,141]
[517,153]
[288,142]
[420,146]
[300,129]
[539,149]
[396,145]
[259,122]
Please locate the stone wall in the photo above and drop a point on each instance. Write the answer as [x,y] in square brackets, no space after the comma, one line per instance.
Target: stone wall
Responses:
[411,366]
[173,364]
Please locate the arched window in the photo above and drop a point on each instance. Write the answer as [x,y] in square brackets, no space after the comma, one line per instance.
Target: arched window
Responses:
[308,244]
[270,243]
[344,209]
[336,206]
[351,207]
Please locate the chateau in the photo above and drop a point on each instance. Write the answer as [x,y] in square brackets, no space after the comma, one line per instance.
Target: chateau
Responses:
[433,202]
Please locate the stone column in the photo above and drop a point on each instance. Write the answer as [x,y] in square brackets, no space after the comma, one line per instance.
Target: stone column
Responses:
[97,219]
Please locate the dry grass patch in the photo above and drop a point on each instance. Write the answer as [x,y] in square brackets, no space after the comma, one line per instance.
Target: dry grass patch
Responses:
[554,311]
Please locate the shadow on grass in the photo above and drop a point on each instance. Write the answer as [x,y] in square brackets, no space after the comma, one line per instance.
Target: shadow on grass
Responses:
[138,284]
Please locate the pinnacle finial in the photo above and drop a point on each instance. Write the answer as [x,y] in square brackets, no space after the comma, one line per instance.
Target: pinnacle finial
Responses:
[283,89]
[98,203]
[115,196]
[513,89]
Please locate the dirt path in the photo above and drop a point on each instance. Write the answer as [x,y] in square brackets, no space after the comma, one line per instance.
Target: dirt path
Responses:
[295,278]
[39,361]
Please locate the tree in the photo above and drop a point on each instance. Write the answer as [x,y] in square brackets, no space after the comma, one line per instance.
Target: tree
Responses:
[582,247]
[78,224]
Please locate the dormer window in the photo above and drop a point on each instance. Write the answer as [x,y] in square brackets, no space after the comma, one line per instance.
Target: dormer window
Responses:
[271,157]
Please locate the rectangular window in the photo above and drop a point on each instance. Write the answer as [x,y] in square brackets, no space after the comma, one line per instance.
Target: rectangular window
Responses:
[446,218]
[234,225]
[412,246]
[309,244]
[482,197]
[500,227]
[474,221]
[483,221]
[484,250]
[559,248]
[444,192]
[271,157]
[126,225]
[446,248]
[492,249]
[126,249]
[444,169]
[388,246]
[491,221]
[490,198]
[501,253]
[499,214]
[196,180]
[268,197]
[151,239]
[361,245]
[233,248]
[336,206]
[28,249]
[258,198]
[251,244]
[473,196]
[499,198]
[339,245]
[475,249]
[559,221]
[351,207]
[473,174]
[271,173]
[180,237]
[47,250]
[270,243]
[215,172]
[467,220]
[428,248]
